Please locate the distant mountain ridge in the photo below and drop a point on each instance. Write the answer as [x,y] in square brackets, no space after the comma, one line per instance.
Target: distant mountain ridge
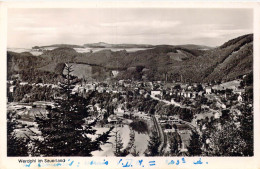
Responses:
[59,46]
[124,45]
[96,45]
[162,62]
[107,45]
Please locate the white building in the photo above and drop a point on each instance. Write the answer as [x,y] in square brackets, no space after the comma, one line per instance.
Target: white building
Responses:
[172,100]
[100,89]
[239,91]
[120,109]
[23,83]
[115,73]
[11,89]
[121,82]
[208,90]
[217,115]
[240,98]
[223,106]
[142,91]
[112,119]
[169,130]
[90,87]
[154,93]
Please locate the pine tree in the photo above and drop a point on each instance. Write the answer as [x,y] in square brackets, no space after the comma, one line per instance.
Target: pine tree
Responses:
[174,150]
[175,142]
[195,145]
[247,131]
[69,81]
[64,129]
[118,144]
[153,145]
[15,146]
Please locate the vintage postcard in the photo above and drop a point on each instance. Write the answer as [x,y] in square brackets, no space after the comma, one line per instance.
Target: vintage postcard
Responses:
[129,85]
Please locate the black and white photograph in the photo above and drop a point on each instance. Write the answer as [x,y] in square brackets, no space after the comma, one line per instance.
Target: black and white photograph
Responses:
[130,82]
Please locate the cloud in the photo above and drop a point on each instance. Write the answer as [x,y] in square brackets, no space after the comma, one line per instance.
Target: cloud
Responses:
[150,26]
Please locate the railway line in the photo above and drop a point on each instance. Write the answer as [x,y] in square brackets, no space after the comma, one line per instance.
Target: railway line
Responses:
[161,135]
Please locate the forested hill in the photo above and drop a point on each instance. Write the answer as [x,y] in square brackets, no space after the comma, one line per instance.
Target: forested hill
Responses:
[234,58]
[193,63]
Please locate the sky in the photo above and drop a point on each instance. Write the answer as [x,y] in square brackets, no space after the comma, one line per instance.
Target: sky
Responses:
[28,27]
